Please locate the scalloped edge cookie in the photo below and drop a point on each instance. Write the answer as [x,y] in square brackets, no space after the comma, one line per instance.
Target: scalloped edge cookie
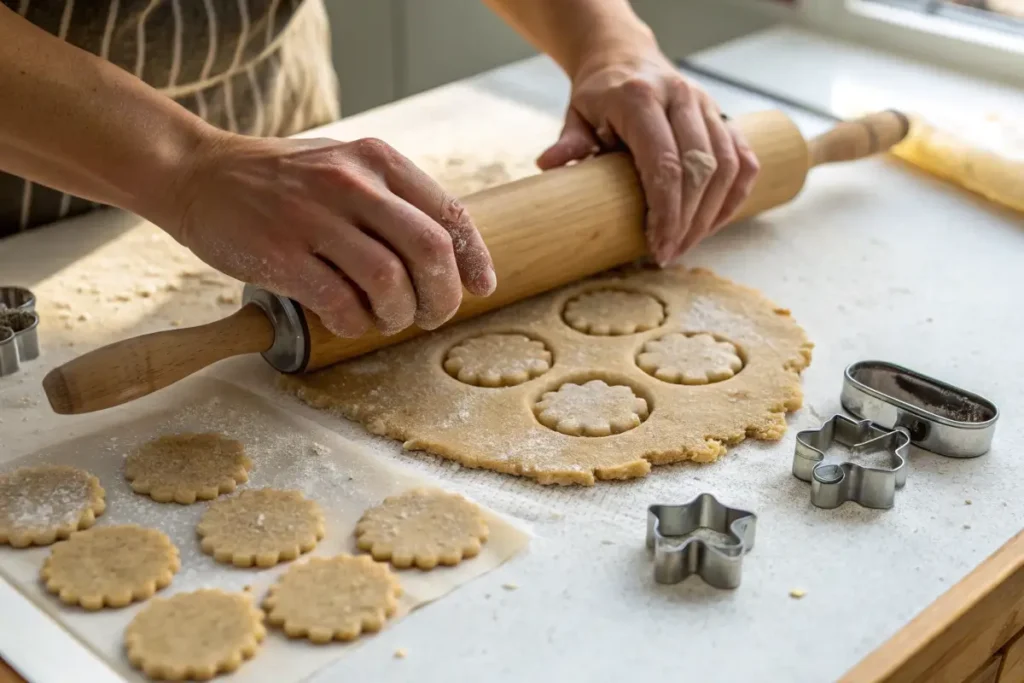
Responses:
[162,491]
[59,569]
[159,619]
[414,528]
[289,602]
[218,528]
[91,509]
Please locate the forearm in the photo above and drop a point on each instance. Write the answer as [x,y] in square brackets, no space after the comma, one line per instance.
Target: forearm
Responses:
[572,31]
[75,122]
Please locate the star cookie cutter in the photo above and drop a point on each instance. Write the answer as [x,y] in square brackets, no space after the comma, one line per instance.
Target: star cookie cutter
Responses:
[672,534]
[834,484]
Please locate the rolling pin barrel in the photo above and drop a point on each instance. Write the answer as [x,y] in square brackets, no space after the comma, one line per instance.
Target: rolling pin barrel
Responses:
[543,232]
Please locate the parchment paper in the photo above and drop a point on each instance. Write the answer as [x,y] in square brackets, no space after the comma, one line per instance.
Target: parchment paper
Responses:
[287,452]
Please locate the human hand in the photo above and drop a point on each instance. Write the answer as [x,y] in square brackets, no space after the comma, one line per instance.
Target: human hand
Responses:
[696,170]
[352,230]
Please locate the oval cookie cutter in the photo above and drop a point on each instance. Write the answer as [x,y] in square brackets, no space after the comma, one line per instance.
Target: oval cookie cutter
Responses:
[895,406]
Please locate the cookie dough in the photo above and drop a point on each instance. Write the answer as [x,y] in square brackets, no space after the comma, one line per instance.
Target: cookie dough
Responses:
[689,359]
[404,392]
[110,566]
[184,468]
[613,312]
[422,527]
[591,409]
[39,505]
[194,636]
[261,527]
[496,360]
[333,598]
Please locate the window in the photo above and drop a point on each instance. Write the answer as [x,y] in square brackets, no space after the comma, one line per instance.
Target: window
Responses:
[983,37]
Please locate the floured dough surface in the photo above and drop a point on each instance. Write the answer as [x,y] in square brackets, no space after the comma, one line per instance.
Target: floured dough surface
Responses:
[690,359]
[261,527]
[39,505]
[333,598]
[591,409]
[194,636]
[184,468]
[110,566]
[404,392]
[496,360]
[613,312]
[423,527]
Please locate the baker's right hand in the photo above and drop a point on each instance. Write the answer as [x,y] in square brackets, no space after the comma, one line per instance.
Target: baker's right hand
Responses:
[352,230]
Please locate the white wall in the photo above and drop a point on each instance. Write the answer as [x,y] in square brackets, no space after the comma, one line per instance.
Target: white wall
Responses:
[386,49]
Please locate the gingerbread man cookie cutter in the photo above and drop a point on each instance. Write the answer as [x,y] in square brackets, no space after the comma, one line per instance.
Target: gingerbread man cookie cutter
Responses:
[672,536]
[896,407]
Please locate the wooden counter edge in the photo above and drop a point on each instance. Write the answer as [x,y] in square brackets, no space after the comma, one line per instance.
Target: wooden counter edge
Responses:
[957,634]
[9,675]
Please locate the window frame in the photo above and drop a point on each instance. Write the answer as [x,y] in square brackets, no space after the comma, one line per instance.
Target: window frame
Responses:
[964,46]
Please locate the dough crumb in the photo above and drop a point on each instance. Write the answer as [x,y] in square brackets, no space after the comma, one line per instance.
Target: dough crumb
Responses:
[227,299]
[797,593]
[967,502]
[400,653]
[83,317]
[510,586]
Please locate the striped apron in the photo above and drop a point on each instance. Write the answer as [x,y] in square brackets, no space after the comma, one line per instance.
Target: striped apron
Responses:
[258,67]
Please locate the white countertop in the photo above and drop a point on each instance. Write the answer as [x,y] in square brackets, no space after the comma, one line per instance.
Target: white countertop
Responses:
[875,260]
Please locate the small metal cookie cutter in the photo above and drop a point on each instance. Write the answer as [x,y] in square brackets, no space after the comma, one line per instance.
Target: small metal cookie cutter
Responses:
[679,550]
[19,329]
[832,484]
[896,407]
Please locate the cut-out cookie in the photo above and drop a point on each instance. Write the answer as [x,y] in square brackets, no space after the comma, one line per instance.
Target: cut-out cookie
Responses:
[184,468]
[422,527]
[498,360]
[689,359]
[403,392]
[591,409]
[261,527]
[110,566]
[39,505]
[194,636]
[333,598]
[613,312]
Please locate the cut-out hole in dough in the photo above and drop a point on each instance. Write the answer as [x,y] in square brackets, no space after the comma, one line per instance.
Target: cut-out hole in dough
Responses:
[497,360]
[694,359]
[591,409]
[613,312]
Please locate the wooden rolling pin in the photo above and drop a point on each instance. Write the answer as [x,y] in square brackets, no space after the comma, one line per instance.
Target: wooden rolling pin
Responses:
[543,232]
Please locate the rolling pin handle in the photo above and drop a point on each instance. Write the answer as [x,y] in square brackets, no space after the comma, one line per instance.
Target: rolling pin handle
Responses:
[290,351]
[859,138]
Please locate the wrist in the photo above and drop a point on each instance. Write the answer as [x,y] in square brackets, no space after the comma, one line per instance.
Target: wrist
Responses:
[168,186]
[615,45]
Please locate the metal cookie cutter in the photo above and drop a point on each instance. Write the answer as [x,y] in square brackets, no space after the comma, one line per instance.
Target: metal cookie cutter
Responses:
[897,407]
[674,534]
[831,484]
[19,329]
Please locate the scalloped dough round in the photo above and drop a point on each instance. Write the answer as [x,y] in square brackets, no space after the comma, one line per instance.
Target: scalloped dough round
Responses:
[261,527]
[423,527]
[333,598]
[184,468]
[110,566]
[39,505]
[689,359]
[591,409]
[498,360]
[194,636]
[613,312]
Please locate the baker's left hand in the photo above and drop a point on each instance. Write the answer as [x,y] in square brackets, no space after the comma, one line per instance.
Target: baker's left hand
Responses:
[695,168]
